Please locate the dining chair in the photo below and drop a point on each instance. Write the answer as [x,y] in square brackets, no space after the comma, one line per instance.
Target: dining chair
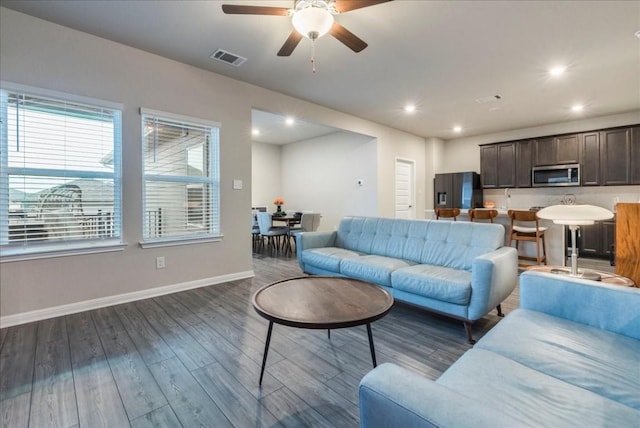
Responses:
[447,213]
[525,226]
[255,230]
[476,214]
[272,234]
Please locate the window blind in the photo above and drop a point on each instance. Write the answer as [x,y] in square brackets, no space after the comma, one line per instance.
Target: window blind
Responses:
[181,177]
[60,173]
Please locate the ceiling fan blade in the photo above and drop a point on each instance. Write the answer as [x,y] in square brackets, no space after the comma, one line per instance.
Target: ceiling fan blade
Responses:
[291,43]
[347,5]
[352,41]
[235,9]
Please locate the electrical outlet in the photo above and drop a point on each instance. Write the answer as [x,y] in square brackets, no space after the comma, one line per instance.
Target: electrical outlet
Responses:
[160,262]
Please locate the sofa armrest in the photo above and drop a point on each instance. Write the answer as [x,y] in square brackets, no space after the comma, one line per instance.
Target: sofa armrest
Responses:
[391,396]
[306,240]
[493,277]
[608,307]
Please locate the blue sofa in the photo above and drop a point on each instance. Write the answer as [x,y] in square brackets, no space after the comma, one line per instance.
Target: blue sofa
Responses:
[569,356]
[459,269]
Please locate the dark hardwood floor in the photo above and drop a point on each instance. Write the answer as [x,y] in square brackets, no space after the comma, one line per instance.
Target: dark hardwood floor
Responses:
[193,359]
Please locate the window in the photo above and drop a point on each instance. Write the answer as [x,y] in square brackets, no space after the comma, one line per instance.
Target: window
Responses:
[181,179]
[60,172]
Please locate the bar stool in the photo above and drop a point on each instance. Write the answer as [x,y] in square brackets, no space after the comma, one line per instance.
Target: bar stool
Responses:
[447,213]
[475,215]
[521,232]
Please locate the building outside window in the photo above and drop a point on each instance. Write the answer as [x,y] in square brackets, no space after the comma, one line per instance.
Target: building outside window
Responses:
[181,178]
[60,180]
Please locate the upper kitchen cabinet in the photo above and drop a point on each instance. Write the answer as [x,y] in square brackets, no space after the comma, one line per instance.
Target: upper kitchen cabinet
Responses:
[590,170]
[498,165]
[635,155]
[563,149]
[524,161]
[615,156]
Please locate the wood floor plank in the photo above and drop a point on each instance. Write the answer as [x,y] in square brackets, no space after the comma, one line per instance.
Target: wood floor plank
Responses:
[14,411]
[291,411]
[333,407]
[238,405]
[99,403]
[185,347]
[51,330]
[235,361]
[17,360]
[53,401]
[106,320]
[176,310]
[138,389]
[191,404]
[159,418]
[150,345]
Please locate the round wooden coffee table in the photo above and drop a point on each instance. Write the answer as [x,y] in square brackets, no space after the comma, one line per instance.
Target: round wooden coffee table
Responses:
[321,302]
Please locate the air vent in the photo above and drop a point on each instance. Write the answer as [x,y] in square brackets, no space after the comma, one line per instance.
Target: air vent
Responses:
[488,99]
[228,57]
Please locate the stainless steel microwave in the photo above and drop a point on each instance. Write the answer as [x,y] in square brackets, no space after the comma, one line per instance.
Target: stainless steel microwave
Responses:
[556,175]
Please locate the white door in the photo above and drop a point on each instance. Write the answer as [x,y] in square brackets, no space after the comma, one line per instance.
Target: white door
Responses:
[405,188]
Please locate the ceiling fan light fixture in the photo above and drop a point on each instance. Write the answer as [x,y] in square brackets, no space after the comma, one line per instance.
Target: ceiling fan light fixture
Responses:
[312,22]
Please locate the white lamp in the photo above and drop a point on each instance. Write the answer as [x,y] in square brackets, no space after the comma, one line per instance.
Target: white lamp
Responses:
[312,21]
[575,216]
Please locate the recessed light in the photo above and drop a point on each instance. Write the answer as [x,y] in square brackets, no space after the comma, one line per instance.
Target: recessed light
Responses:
[410,108]
[255,131]
[457,129]
[637,33]
[577,107]
[290,121]
[557,70]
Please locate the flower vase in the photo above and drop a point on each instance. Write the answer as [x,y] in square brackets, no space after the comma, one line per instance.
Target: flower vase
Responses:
[278,210]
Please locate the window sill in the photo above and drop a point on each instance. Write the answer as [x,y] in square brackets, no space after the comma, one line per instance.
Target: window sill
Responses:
[171,242]
[57,250]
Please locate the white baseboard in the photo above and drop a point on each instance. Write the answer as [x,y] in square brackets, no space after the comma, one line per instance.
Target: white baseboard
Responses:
[87,305]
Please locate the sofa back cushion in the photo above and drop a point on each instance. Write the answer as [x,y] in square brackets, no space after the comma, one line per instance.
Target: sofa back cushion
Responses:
[442,243]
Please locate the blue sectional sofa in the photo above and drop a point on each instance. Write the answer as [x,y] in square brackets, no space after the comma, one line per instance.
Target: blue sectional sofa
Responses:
[568,357]
[459,269]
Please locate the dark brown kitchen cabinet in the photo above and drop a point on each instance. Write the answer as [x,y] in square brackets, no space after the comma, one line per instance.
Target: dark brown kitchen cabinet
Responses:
[635,155]
[595,240]
[498,165]
[524,161]
[489,166]
[543,152]
[590,159]
[615,156]
[563,149]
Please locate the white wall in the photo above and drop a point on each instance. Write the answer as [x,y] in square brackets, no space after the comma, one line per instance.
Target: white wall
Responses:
[41,54]
[266,177]
[321,175]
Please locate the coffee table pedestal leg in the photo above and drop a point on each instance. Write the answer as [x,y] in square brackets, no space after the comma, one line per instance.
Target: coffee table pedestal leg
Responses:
[266,350]
[373,351]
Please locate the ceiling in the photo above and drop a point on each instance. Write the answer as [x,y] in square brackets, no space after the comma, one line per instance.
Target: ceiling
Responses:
[445,57]
[274,129]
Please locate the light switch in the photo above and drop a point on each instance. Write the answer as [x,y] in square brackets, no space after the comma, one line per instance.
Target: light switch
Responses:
[237,184]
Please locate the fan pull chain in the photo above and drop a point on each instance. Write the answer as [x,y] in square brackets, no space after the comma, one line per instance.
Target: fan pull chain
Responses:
[313,56]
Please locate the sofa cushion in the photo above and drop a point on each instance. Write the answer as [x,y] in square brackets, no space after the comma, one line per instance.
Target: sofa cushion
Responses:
[327,258]
[375,269]
[456,244]
[525,393]
[590,358]
[436,282]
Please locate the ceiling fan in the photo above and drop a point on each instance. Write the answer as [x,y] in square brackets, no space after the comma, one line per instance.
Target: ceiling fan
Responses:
[311,19]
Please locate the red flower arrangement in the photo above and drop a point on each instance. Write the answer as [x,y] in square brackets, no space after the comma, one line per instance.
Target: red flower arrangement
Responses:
[278,201]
